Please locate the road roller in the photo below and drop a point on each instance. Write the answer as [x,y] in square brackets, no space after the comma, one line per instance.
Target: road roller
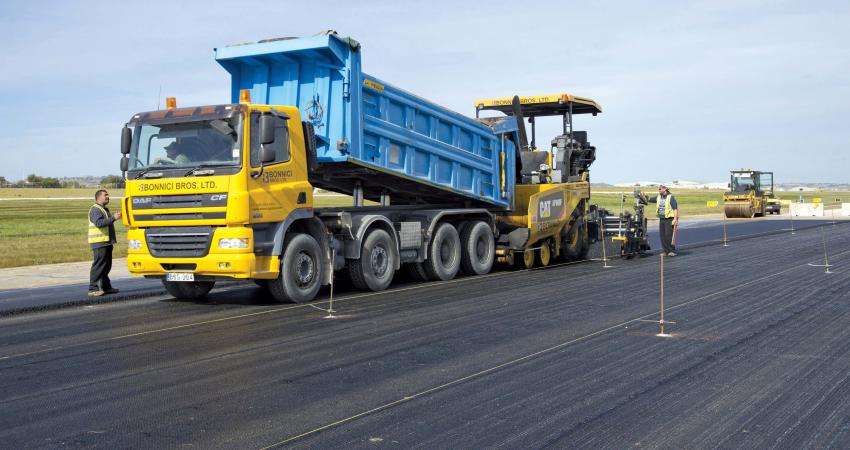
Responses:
[750,194]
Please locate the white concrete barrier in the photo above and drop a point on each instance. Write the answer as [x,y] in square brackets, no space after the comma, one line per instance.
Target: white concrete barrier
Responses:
[807,209]
[844,211]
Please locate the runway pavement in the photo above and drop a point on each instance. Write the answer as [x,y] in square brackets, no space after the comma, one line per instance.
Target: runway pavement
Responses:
[558,357]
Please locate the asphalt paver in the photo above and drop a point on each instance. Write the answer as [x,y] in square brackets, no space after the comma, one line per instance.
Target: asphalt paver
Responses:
[560,357]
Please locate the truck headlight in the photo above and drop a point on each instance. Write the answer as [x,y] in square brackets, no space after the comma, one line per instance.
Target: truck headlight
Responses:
[230,243]
[134,244]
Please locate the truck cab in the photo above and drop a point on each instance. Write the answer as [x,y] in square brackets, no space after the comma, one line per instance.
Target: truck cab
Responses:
[204,185]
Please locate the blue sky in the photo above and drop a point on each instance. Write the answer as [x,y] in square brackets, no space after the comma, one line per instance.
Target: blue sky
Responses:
[689,89]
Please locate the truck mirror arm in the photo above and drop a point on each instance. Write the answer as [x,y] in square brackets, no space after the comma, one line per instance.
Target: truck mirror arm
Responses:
[257,173]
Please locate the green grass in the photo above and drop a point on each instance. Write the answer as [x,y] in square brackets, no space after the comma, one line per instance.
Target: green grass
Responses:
[54,231]
[48,231]
[55,193]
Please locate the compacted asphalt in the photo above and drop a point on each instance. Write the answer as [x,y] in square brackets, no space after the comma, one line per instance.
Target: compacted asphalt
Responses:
[559,357]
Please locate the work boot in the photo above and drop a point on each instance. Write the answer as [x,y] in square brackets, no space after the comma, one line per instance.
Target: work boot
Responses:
[110,291]
[95,293]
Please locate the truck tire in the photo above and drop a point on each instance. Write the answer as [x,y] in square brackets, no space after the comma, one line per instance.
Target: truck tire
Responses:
[478,248]
[301,270]
[444,254]
[188,290]
[375,269]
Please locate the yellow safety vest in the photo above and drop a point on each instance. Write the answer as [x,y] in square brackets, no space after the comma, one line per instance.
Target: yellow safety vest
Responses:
[98,234]
[668,211]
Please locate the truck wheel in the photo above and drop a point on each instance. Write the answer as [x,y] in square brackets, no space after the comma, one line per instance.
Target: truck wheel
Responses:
[301,270]
[444,254]
[479,248]
[375,269]
[188,290]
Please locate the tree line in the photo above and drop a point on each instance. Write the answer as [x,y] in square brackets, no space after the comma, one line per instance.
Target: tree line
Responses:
[33,180]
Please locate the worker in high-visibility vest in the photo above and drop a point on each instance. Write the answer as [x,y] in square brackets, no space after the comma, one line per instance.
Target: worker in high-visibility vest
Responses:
[668,218]
[101,240]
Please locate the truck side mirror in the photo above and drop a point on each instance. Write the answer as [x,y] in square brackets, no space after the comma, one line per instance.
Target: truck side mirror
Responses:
[266,154]
[125,163]
[126,139]
[266,129]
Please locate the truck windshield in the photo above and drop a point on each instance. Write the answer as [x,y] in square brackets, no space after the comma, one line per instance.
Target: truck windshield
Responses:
[206,143]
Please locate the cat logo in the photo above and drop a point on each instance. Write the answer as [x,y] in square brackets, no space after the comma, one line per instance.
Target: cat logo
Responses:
[550,207]
[545,209]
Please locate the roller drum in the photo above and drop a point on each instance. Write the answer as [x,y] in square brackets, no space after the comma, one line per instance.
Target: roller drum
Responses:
[739,211]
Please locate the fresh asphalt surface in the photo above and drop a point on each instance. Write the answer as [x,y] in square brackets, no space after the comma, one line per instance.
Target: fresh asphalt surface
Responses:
[556,357]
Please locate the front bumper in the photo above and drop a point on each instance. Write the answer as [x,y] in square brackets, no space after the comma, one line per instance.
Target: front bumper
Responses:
[217,263]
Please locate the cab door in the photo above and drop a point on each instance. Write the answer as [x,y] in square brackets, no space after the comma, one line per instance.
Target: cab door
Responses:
[278,187]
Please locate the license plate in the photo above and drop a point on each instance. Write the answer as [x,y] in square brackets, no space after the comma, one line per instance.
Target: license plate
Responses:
[180,277]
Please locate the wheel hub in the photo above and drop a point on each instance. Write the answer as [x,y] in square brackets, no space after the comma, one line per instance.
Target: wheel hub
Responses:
[379,261]
[304,269]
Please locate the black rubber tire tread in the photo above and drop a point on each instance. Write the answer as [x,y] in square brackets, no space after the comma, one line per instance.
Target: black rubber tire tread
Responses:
[188,290]
[355,274]
[434,266]
[361,274]
[287,291]
[585,245]
[569,253]
[469,262]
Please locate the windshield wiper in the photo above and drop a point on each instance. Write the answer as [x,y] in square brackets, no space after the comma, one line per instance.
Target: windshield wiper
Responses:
[199,171]
[144,173]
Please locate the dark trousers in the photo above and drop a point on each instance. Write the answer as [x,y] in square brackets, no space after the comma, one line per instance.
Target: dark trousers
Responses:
[100,268]
[665,230]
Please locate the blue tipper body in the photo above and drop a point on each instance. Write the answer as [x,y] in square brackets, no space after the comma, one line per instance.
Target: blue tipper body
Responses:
[362,121]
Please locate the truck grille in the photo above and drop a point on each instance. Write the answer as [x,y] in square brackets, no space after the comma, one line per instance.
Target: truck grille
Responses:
[180,201]
[179,242]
